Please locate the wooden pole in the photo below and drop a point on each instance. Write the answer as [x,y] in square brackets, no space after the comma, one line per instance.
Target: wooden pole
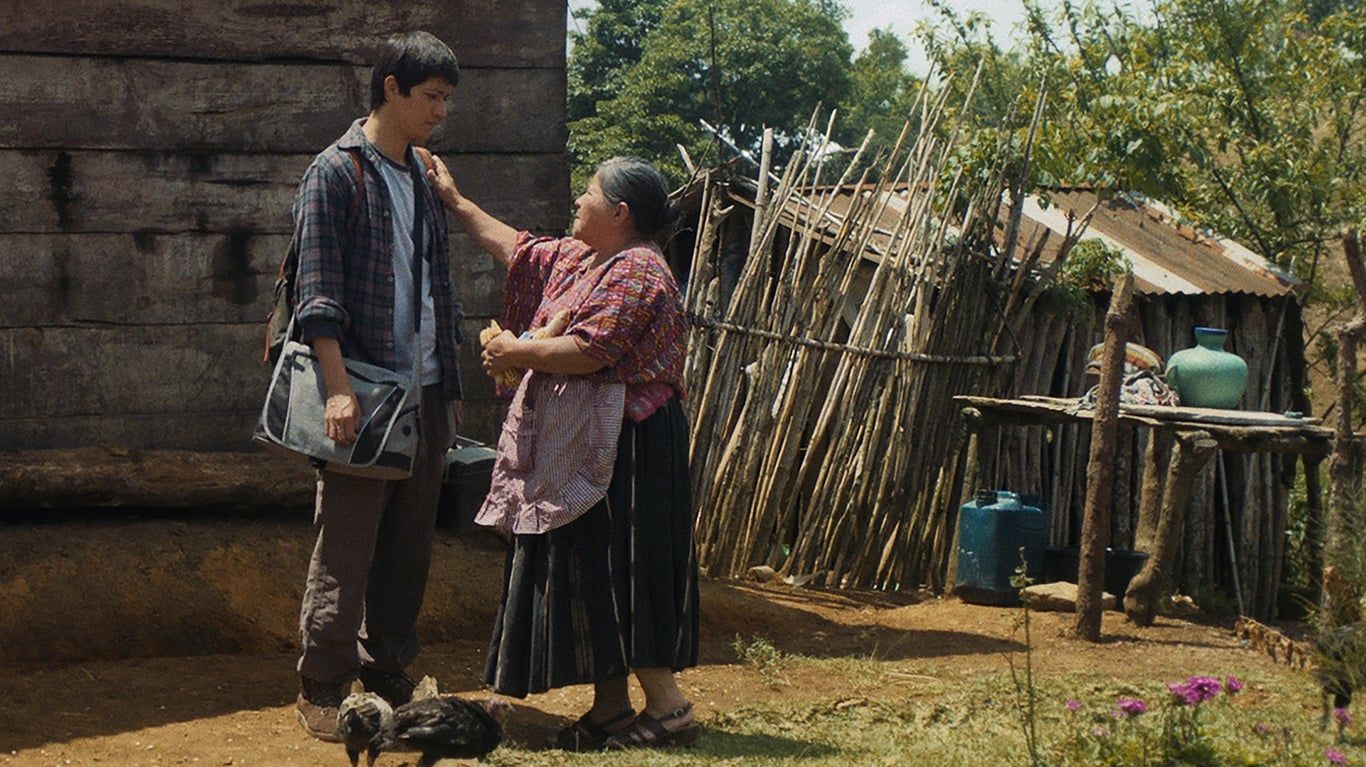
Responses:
[1100,469]
[1339,607]
[1192,450]
[1150,502]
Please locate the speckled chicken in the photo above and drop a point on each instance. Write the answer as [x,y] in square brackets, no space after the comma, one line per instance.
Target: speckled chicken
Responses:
[444,727]
[360,719]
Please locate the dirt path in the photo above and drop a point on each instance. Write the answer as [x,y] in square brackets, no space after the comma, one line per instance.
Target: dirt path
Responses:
[236,709]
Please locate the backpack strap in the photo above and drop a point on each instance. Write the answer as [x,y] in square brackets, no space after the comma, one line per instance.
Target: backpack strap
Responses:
[360,187]
[426,157]
[286,278]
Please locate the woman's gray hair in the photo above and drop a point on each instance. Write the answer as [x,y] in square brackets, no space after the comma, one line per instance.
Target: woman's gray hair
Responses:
[644,190]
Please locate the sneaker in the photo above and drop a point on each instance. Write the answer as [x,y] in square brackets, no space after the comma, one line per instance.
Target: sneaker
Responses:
[395,687]
[317,708]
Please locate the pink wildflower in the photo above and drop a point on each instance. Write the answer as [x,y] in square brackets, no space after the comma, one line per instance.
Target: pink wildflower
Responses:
[1183,694]
[1334,756]
[1073,705]
[1132,706]
[1233,685]
[1342,716]
[1206,687]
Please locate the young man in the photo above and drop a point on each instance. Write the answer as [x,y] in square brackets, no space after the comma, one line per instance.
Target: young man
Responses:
[355,300]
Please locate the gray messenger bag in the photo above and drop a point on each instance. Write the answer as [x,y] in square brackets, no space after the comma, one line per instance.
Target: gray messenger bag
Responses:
[293,418]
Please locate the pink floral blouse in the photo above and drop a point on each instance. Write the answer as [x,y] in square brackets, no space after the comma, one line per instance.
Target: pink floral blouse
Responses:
[632,320]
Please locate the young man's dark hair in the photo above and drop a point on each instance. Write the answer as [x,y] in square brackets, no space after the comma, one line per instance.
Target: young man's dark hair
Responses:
[412,58]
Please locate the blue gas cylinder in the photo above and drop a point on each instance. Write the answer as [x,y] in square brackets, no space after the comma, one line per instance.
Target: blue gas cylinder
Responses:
[991,530]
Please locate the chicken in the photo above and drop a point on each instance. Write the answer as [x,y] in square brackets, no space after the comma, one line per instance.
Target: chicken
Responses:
[508,379]
[360,718]
[425,688]
[445,727]
[1339,656]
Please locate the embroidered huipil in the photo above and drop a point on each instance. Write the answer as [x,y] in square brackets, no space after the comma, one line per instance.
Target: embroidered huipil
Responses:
[632,321]
[558,445]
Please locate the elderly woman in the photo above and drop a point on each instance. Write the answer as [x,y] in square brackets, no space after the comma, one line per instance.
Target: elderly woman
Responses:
[614,591]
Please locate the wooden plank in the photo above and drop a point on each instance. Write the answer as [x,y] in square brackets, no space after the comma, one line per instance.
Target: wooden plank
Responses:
[172,192]
[53,279]
[192,386]
[226,430]
[48,279]
[100,476]
[496,33]
[1201,415]
[182,105]
[149,369]
[114,370]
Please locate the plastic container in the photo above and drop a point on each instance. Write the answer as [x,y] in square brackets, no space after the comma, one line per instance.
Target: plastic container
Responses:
[469,467]
[991,531]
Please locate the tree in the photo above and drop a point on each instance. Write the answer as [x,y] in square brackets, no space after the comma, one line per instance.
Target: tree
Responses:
[742,64]
[1248,115]
[613,42]
[882,91]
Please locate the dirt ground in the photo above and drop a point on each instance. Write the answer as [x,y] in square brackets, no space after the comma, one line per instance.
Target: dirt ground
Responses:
[235,708]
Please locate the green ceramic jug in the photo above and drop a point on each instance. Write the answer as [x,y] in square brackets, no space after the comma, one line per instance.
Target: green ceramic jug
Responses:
[1205,375]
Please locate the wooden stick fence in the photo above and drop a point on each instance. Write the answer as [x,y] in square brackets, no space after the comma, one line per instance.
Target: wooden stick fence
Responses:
[829,447]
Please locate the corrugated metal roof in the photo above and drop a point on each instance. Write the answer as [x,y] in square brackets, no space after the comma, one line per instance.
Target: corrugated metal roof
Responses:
[1168,256]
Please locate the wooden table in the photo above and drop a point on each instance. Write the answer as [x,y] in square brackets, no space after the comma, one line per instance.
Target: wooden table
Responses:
[1192,434]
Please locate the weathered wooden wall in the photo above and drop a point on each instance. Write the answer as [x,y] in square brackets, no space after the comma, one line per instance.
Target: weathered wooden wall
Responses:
[150,151]
[1051,461]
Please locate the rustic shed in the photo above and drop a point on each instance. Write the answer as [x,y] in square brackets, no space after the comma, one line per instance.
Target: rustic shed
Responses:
[1184,277]
[151,149]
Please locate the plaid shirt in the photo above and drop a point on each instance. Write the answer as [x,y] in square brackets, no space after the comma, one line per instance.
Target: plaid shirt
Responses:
[346,289]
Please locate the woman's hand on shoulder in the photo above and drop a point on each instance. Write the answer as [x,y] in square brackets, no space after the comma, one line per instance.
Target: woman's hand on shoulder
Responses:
[444,183]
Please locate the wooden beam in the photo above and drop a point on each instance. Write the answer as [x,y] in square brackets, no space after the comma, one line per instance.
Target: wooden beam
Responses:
[53,279]
[1100,468]
[199,431]
[1342,607]
[77,191]
[493,33]
[100,476]
[1192,450]
[107,103]
[1268,432]
[148,369]
[1150,501]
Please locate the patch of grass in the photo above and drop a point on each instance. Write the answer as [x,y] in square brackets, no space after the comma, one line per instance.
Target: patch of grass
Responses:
[975,721]
[762,656]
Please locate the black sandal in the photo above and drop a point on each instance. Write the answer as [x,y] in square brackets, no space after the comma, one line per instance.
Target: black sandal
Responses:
[587,735]
[648,732]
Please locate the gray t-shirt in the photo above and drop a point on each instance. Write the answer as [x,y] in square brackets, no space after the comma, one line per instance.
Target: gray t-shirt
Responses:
[400,183]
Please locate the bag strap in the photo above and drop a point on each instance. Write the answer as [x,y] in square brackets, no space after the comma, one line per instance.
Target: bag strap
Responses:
[419,213]
[289,265]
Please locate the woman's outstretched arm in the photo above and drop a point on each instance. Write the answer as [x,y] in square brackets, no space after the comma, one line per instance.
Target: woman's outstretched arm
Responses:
[493,235]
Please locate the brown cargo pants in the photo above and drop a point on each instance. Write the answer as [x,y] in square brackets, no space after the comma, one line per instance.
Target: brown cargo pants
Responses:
[368,572]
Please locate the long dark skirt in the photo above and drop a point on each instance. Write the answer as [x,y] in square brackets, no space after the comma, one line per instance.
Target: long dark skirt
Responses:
[615,589]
